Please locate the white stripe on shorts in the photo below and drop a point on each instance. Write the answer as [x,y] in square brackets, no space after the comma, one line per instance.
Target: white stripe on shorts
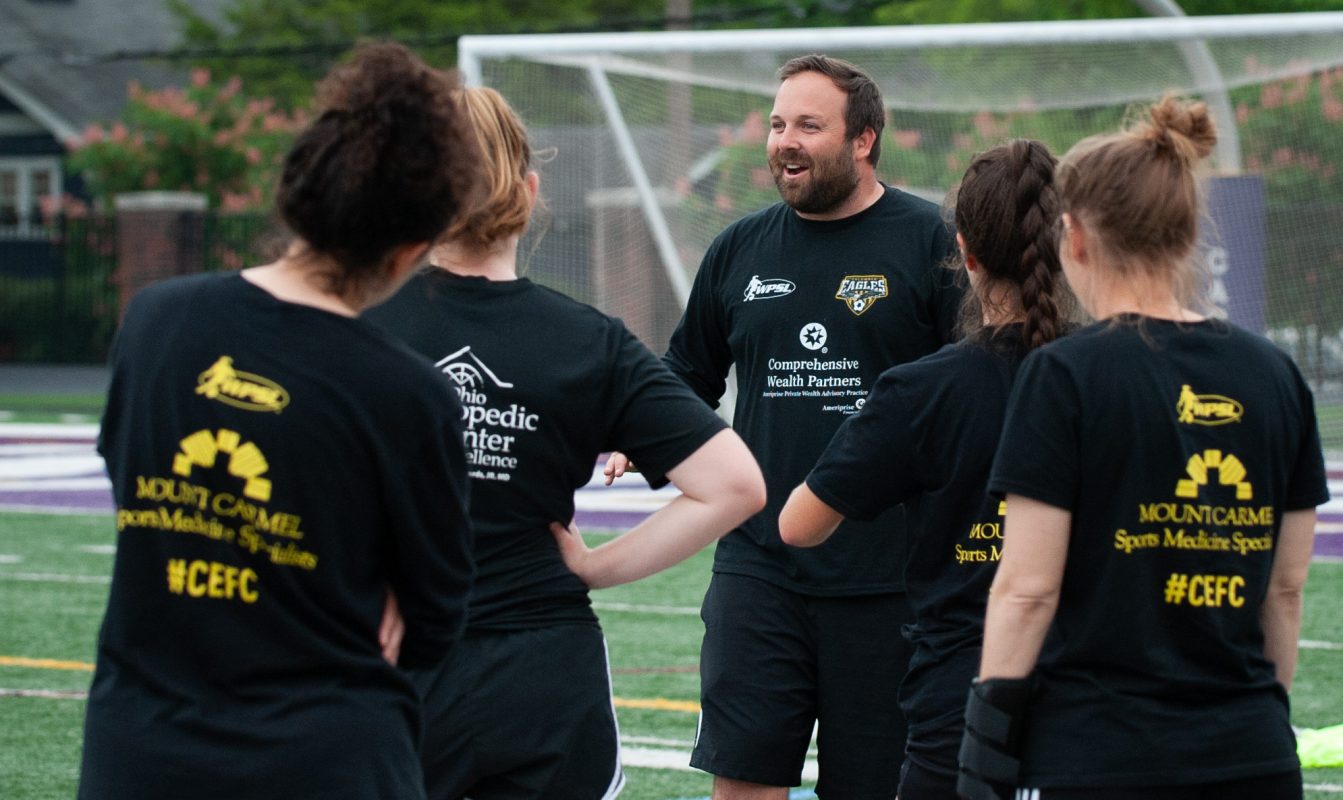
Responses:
[618,778]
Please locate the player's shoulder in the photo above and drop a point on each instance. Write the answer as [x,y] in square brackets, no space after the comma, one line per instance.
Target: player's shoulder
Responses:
[753,224]
[177,297]
[184,286]
[964,364]
[561,306]
[909,208]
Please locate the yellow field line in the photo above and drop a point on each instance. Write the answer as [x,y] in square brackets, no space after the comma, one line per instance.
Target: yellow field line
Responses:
[44,663]
[658,704]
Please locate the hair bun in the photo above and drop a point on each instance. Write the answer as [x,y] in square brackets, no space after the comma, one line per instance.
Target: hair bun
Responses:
[1190,120]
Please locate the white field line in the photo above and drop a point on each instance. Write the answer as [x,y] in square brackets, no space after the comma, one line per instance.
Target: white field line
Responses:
[636,608]
[68,484]
[48,694]
[82,449]
[1331,788]
[1313,644]
[28,430]
[657,758]
[23,508]
[47,577]
[657,741]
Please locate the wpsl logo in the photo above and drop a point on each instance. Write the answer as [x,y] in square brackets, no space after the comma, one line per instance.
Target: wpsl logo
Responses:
[859,292]
[471,375]
[1206,409]
[768,289]
[245,390]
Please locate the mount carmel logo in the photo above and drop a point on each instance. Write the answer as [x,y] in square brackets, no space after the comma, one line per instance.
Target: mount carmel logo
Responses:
[239,389]
[1207,409]
[768,289]
[859,292]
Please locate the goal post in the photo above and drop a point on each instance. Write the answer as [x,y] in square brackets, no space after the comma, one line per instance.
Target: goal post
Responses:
[653,142]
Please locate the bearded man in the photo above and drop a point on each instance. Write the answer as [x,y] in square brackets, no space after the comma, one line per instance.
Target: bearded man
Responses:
[811,299]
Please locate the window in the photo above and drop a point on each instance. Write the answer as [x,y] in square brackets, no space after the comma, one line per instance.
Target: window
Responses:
[24,184]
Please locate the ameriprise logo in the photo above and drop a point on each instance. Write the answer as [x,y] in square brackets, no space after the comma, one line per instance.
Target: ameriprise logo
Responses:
[813,336]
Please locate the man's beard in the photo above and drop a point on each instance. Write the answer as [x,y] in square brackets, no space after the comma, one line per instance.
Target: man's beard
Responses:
[831,180]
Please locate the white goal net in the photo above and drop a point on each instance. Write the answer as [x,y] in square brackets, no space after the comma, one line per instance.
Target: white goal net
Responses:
[656,141]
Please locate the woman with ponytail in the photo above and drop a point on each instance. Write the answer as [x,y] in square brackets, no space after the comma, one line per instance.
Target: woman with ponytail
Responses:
[926,435]
[281,469]
[1160,471]
[523,708]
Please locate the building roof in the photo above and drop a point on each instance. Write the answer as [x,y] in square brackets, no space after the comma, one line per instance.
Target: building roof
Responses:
[50,56]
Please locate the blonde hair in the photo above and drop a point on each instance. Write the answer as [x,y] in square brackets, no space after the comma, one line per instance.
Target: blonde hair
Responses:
[1137,193]
[504,208]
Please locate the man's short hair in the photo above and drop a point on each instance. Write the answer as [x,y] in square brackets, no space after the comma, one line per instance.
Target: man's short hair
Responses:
[863,109]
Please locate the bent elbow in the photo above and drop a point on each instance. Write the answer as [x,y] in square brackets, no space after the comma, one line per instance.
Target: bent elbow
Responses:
[795,534]
[746,495]
[754,495]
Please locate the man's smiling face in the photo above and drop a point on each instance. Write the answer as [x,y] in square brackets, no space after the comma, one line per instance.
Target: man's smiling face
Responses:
[810,155]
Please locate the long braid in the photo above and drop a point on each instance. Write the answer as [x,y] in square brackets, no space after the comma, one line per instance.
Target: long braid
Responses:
[1037,202]
[1006,209]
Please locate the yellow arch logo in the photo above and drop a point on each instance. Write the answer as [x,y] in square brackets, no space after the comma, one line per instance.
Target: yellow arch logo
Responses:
[1230,472]
[202,448]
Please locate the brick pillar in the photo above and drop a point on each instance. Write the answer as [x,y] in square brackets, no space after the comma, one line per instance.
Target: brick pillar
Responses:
[159,235]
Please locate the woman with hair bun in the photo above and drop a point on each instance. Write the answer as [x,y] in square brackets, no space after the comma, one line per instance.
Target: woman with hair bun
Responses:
[523,708]
[1161,470]
[281,469]
[926,436]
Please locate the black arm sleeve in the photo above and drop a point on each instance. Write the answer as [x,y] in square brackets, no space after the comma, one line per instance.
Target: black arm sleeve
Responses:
[698,353]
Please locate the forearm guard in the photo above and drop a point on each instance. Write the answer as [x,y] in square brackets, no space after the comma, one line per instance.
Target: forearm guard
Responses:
[990,749]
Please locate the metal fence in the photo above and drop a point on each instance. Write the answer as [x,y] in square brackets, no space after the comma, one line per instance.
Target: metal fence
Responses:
[59,299]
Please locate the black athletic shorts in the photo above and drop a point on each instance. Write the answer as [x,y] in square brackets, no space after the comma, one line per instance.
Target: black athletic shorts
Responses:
[775,663]
[1282,786]
[931,762]
[522,715]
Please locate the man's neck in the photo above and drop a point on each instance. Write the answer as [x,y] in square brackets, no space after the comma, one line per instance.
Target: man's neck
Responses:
[868,191]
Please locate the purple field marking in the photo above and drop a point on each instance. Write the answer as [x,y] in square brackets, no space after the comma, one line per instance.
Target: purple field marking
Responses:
[31,496]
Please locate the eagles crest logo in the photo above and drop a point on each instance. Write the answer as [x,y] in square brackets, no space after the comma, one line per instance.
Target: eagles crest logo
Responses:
[859,292]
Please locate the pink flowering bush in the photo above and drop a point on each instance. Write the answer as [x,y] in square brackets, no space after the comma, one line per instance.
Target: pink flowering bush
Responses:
[208,137]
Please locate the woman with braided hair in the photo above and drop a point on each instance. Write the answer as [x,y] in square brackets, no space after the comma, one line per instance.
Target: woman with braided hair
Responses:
[926,438]
[1160,471]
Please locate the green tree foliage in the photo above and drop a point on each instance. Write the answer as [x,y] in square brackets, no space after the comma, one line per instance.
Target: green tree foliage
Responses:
[208,138]
[317,31]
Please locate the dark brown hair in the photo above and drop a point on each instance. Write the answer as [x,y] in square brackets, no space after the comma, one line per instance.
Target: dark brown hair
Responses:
[1007,212]
[389,161]
[863,107]
[1136,192]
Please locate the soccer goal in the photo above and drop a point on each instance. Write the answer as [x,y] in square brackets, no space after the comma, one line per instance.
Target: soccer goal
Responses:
[655,141]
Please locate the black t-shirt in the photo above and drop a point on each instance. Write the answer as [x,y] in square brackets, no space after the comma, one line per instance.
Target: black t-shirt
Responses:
[546,385]
[810,313]
[1177,448]
[275,468]
[926,438]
